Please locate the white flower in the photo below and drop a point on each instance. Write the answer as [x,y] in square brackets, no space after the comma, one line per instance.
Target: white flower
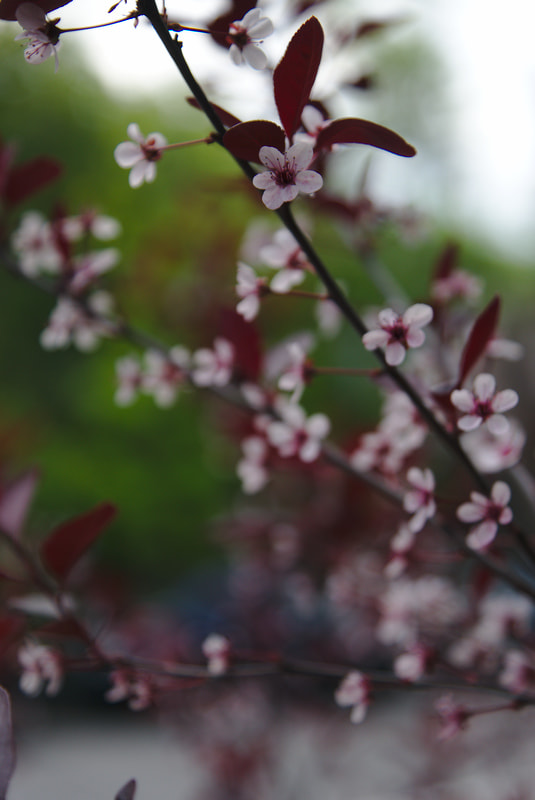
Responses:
[136,689]
[68,323]
[213,367]
[354,691]
[216,649]
[249,288]
[398,333]
[140,155]
[295,435]
[129,377]
[41,667]
[420,502]
[165,374]
[98,225]
[295,374]
[43,35]
[284,254]
[251,468]
[88,267]
[244,36]
[287,174]
[488,512]
[484,405]
[33,241]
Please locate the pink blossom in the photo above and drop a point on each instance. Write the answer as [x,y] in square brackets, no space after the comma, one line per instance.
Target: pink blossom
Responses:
[213,367]
[518,674]
[244,36]
[43,35]
[140,155]
[411,665]
[492,453]
[458,284]
[287,174]
[129,686]
[33,242]
[398,333]
[420,501]
[87,268]
[164,374]
[484,404]
[489,513]
[251,468]
[42,667]
[284,254]
[453,717]
[89,222]
[216,649]
[295,374]
[69,322]
[129,377]
[249,288]
[295,435]
[354,692]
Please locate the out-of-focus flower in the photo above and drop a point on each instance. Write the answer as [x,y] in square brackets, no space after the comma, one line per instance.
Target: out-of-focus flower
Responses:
[411,666]
[398,333]
[88,267]
[354,692]
[129,377]
[459,284]
[453,717]
[216,649]
[137,689]
[287,174]
[518,674]
[89,222]
[33,242]
[295,435]
[484,404]
[249,288]
[68,323]
[244,36]
[213,367]
[251,468]
[41,669]
[295,374]
[43,34]
[140,155]
[488,512]
[420,501]
[492,453]
[284,254]
[164,374]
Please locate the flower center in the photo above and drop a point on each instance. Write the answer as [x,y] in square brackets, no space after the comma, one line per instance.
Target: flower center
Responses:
[285,176]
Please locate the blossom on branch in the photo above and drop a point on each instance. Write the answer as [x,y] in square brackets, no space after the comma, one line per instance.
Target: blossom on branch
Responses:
[41,667]
[33,242]
[354,692]
[249,287]
[213,367]
[287,174]
[488,512]
[484,404]
[216,649]
[284,254]
[399,332]
[69,322]
[244,36]
[420,501]
[295,435]
[140,155]
[251,469]
[43,35]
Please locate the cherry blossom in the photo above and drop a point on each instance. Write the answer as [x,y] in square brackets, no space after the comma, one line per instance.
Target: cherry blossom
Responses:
[140,155]
[129,378]
[491,453]
[411,665]
[459,284]
[354,692]
[420,501]
[43,35]
[484,404]
[88,267]
[518,674]
[398,333]
[135,688]
[284,254]
[488,512]
[295,435]
[34,244]
[296,373]
[244,36]
[213,367]
[89,222]
[287,174]
[68,323]
[164,374]
[453,717]
[216,649]
[249,288]
[251,468]
[41,667]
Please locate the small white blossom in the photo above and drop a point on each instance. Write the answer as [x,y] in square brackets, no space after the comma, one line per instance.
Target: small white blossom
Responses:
[295,435]
[88,267]
[249,288]
[295,374]
[136,689]
[420,501]
[68,323]
[213,367]
[164,374]
[33,242]
[251,468]
[245,35]
[129,377]
[140,155]
[43,35]
[398,333]
[41,669]
[216,649]
[488,513]
[484,404]
[354,692]
[284,254]
[287,174]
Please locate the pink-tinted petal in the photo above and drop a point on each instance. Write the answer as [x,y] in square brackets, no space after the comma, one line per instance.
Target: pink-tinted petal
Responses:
[469,423]
[271,158]
[482,535]
[127,154]
[30,17]
[374,339]
[300,155]
[133,131]
[387,318]
[504,400]
[309,451]
[318,425]
[255,57]
[484,386]
[263,180]
[463,400]
[418,315]
[286,279]
[156,140]
[500,493]
[506,516]
[415,337]
[308,181]
[248,307]
[497,424]
[138,174]
[470,512]
[394,354]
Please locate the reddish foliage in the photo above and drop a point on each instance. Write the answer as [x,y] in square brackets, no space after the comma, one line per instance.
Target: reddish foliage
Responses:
[245,140]
[24,180]
[68,542]
[245,338]
[447,261]
[8,8]
[294,76]
[481,334]
[361,131]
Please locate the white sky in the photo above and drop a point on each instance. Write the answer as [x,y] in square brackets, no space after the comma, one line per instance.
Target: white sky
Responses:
[487,49]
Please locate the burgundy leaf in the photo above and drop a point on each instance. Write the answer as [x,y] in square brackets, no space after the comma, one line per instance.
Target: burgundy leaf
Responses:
[7,744]
[127,792]
[481,334]
[246,341]
[28,178]
[69,541]
[11,628]
[226,117]
[245,140]
[7,154]
[447,261]
[8,8]
[15,499]
[295,74]
[362,131]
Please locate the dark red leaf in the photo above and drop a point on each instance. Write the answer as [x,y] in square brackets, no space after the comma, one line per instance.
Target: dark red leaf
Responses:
[10,629]
[69,541]
[246,341]
[245,140]
[28,178]
[295,74]
[8,8]
[15,499]
[7,154]
[446,262]
[481,334]
[362,131]
[7,744]
[373,26]
[127,792]
[226,117]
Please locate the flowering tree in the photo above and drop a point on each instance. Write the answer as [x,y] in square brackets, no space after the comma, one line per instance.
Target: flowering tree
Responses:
[408,546]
